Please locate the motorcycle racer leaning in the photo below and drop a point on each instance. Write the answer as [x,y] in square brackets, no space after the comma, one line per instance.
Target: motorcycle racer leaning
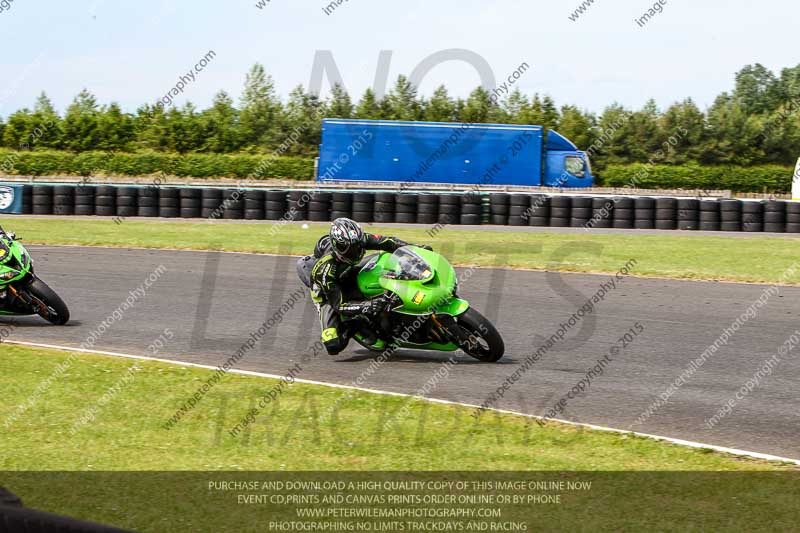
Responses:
[336,255]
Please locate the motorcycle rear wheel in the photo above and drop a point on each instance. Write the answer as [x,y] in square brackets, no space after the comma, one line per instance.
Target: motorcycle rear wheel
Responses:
[488,345]
[58,312]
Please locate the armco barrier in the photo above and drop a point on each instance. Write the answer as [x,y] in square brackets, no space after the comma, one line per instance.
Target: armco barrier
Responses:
[505,209]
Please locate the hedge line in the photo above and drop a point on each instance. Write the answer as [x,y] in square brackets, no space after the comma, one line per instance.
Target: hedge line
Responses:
[43,163]
[772,178]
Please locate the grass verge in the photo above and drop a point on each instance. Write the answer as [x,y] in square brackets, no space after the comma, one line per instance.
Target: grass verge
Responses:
[761,260]
[131,400]
[113,467]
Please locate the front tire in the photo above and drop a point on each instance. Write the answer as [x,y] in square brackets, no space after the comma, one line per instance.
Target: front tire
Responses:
[57,312]
[487,345]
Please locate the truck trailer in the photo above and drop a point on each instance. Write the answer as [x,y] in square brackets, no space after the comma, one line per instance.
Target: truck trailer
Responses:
[412,153]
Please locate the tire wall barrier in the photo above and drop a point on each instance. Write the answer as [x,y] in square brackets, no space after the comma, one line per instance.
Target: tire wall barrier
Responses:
[432,209]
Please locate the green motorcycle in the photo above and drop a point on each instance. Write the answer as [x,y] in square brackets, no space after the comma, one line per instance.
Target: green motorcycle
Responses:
[21,291]
[423,309]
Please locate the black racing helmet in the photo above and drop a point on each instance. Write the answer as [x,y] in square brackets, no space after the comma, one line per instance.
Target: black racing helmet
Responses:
[348,240]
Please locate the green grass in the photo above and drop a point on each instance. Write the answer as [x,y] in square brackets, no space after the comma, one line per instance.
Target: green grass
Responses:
[127,434]
[668,256]
[294,434]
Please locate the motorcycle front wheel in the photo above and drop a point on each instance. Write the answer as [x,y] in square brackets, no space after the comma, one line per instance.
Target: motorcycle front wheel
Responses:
[57,312]
[485,342]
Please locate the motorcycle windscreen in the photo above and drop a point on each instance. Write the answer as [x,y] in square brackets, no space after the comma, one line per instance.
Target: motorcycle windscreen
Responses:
[5,251]
[405,265]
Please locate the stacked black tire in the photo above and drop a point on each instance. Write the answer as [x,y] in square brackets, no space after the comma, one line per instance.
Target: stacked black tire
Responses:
[341,205]
[148,202]
[560,211]
[297,205]
[581,212]
[27,199]
[190,203]
[319,206]
[405,206]
[539,210]
[449,209]
[471,209]
[363,207]
[500,209]
[644,213]
[517,209]
[127,201]
[63,200]
[688,213]
[105,201]
[42,200]
[774,216]
[275,205]
[169,203]
[752,217]
[233,204]
[384,206]
[427,209]
[709,215]
[624,212]
[85,200]
[793,217]
[666,213]
[602,212]
[730,215]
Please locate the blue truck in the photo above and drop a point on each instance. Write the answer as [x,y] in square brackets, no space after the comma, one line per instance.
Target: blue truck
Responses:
[413,153]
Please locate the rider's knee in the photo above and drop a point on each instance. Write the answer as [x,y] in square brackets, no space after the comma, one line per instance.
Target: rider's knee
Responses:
[335,346]
[333,341]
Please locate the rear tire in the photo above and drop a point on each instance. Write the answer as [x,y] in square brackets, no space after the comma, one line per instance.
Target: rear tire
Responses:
[492,347]
[48,296]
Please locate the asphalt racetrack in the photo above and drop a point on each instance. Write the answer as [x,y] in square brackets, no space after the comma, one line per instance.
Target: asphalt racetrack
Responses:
[213,301]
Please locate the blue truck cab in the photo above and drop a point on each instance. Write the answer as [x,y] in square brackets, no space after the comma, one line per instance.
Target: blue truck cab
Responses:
[449,153]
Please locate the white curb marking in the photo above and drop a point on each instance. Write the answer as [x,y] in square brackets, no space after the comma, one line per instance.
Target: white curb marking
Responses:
[681,442]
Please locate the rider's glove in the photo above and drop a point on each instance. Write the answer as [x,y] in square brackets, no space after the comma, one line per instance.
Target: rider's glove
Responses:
[426,247]
[379,304]
[375,306]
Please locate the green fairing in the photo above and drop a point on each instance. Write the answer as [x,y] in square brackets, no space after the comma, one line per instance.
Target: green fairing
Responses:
[12,249]
[16,251]
[434,293]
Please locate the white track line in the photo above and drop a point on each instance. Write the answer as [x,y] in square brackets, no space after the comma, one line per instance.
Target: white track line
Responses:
[680,442]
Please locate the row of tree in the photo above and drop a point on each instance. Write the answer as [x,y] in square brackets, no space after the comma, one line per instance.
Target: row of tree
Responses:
[758,122]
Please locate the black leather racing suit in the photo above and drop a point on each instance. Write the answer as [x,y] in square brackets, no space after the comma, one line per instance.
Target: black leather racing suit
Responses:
[325,286]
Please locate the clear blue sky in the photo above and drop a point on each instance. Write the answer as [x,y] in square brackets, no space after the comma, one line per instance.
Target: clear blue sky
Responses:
[133,52]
